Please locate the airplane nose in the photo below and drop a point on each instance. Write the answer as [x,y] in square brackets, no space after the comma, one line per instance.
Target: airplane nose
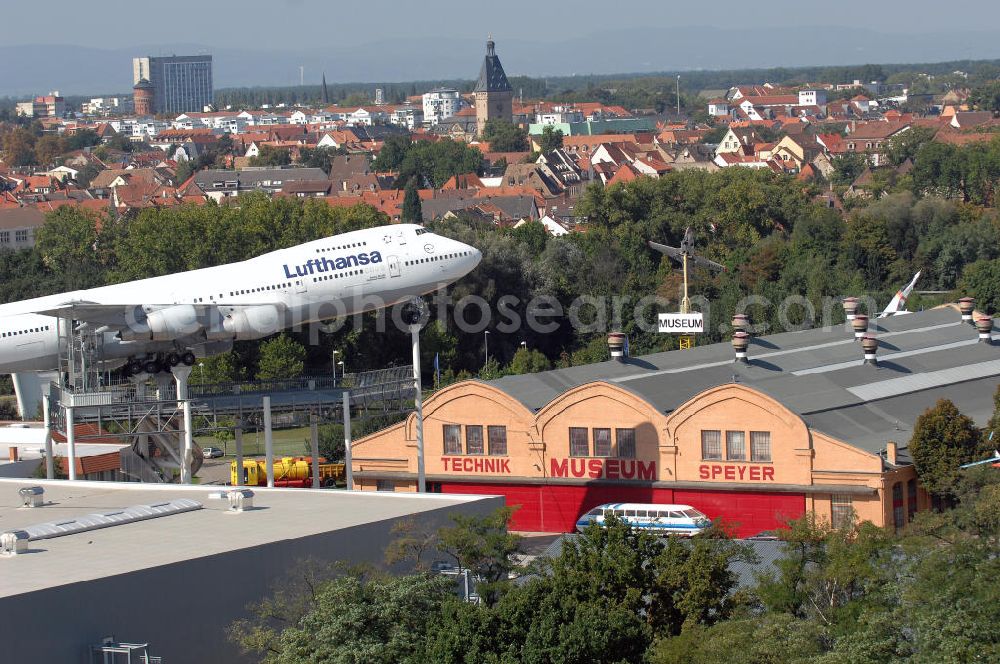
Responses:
[477,256]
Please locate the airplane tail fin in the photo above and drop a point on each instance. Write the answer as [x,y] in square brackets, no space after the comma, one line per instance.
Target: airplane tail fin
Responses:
[898,302]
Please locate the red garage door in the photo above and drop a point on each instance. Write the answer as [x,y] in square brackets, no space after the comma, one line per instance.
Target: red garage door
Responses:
[555,508]
[748,512]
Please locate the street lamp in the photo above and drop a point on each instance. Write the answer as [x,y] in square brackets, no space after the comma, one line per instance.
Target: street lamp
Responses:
[201,373]
[334,366]
[524,345]
[413,313]
[486,348]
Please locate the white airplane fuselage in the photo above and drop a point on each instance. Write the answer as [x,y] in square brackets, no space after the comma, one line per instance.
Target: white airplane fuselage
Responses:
[210,308]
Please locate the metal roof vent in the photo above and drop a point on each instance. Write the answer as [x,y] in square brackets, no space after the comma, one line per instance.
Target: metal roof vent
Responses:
[869,343]
[111,518]
[860,325]
[984,325]
[967,305]
[32,496]
[240,500]
[741,340]
[616,344]
[13,543]
[850,307]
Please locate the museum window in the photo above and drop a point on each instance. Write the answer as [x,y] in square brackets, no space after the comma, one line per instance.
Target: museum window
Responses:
[452,439]
[385,485]
[497,440]
[474,439]
[911,499]
[711,445]
[602,442]
[760,445]
[579,446]
[841,510]
[736,446]
[625,443]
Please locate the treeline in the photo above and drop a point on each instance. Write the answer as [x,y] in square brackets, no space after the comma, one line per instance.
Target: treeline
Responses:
[851,594]
[774,238]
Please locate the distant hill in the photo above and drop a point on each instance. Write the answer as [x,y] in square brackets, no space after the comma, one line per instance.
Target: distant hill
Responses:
[80,70]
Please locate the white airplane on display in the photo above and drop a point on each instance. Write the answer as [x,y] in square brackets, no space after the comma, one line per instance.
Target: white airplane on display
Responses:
[897,305]
[154,324]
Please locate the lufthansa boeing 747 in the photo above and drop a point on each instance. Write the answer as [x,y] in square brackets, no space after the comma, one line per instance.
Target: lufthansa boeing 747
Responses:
[153,324]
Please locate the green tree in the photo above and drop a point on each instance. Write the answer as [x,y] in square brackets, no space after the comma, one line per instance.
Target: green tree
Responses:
[272,156]
[17,147]
[943,439]
[184,171]
[551,139]
[48,148]
[319,157]
[905,145]
[281,357]
[529,361]
[358,617]
[505,137]
[986,97]
[216,369]
[483,545]
[982,281]
[82,138]
[412,214]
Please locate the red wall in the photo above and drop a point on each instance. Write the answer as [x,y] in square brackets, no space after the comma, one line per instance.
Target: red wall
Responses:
[555,508]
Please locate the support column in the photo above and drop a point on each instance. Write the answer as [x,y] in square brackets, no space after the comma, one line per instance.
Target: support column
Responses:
[268,442]
[50,462]
[70,443]
[239,454]
[314,442]
[181,375]
[418,406]
[348,469]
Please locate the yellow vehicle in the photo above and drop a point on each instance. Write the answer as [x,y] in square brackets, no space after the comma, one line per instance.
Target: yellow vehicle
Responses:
[288,471]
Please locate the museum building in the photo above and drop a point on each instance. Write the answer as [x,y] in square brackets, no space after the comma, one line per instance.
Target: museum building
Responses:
[817,421]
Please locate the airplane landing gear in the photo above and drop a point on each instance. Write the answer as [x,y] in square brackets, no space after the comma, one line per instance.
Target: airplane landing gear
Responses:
[159,363]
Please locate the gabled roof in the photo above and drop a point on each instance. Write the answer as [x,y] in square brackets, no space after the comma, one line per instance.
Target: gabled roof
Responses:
[492,77]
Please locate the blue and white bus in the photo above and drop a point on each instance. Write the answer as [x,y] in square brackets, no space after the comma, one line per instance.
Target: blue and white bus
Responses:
[665,519]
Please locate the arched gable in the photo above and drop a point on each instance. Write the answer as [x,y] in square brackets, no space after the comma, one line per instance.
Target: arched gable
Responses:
[596,390]
[746,397]
[468,389]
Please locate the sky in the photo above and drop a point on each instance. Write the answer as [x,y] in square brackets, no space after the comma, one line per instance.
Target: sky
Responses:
[285,24]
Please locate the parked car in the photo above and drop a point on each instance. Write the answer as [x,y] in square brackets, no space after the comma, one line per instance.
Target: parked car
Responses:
[213,452]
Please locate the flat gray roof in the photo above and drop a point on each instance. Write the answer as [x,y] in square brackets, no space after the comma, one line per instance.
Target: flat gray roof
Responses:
[816,373]
[278,514]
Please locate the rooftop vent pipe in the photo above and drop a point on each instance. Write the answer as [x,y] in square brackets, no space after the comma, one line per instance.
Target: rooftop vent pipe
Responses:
[13,542]
[850,307]
[869,343]
[984,325]
[32,496]
[240,500]
[860,325]
[741,340]
[967,305]
[616,344]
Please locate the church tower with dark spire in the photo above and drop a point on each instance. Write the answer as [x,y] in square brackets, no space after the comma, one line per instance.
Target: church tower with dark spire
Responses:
[494,96]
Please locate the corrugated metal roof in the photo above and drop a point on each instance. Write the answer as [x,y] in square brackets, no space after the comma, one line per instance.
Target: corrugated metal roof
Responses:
[818,374]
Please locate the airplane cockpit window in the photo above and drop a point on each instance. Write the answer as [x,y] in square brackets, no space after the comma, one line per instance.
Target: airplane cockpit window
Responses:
[421,231]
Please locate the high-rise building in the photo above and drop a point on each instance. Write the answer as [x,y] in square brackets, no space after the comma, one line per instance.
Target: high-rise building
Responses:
[494,96]
[180,83]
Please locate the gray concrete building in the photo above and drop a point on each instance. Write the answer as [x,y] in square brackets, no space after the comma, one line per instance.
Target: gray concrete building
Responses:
[176,581]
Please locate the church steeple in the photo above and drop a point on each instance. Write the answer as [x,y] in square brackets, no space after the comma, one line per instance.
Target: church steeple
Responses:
[494,94]
[326,94]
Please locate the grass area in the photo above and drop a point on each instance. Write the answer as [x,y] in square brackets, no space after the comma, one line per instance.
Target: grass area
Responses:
[287,442]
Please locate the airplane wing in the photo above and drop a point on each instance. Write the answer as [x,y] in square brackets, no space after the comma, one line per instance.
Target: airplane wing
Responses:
[898,303]
[673,252]
[111,315]
[705,263]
